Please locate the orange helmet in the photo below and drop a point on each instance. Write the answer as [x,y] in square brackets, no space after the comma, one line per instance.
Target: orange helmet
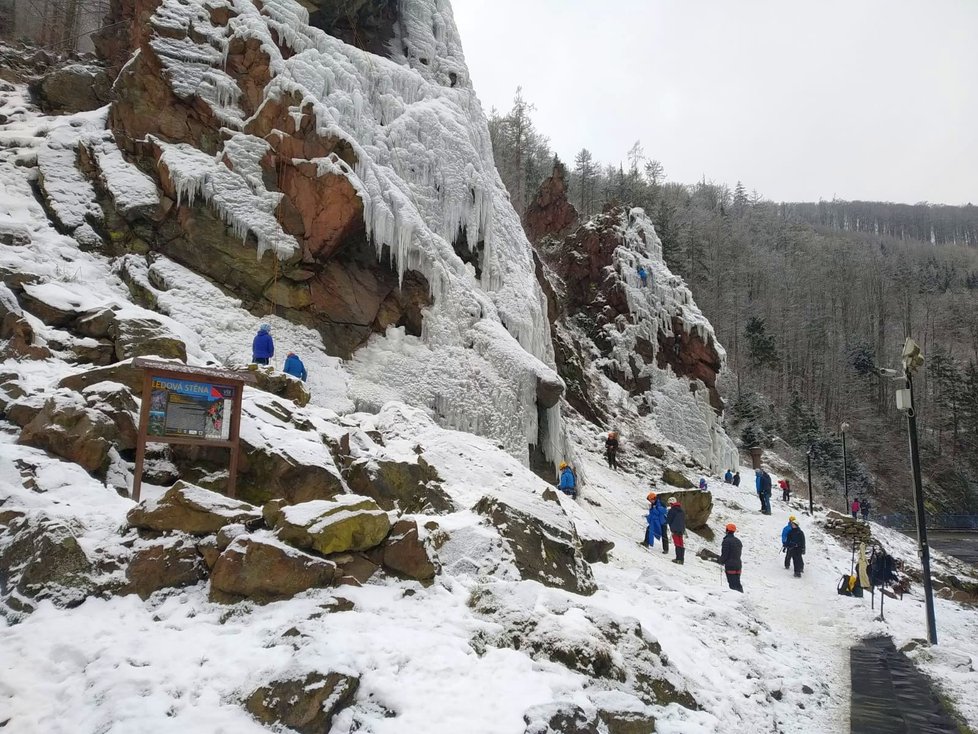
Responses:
[731,528]
[651,496]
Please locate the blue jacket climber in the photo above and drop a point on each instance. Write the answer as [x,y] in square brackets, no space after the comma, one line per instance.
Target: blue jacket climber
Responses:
[293,366]
[786,529]
[643,274]
[656,519]
[568,482]
[263,348]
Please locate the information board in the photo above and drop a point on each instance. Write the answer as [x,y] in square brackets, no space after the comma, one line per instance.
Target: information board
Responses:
[189,405]
[189,409]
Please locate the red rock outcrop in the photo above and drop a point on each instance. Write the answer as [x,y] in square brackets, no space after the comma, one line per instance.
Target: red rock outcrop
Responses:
[550,214]
[335,282]
[585,287]
[689,356]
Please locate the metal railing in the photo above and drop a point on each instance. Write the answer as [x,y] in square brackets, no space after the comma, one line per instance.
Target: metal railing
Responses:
[900,521]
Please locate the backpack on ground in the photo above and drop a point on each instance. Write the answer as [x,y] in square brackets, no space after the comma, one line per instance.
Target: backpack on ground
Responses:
[849,586]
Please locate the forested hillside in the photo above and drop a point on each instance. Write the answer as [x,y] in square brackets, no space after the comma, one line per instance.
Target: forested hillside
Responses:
[808,299]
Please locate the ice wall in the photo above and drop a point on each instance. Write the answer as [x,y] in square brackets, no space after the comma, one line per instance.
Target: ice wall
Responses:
[682,415]
[425,173]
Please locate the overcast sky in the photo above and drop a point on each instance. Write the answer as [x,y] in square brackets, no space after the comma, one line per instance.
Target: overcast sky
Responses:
[800,100]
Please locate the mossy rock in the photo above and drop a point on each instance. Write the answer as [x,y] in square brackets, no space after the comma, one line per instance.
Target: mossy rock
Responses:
[676,479]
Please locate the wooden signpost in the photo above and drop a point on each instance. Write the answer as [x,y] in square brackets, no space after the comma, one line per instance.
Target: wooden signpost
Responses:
[189,405]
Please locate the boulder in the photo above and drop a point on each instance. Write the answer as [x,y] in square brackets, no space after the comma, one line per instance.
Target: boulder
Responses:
[73,88]
[114,400]
[405,553]
[627,722]
[354,569]
[676,479]
[123,373]
[96,324]
[190,509]
[306,705]
[346,523]
[47,302]
[411,487]
[613,652]
[696,503]
[262,569]
[846,529]
[543,550]
[146,337]
[167,563]
[596,550]
[264,473]
[42,559]
[74,432]
[559,718]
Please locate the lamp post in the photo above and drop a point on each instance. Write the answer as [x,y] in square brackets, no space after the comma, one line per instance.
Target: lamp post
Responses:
[811,502]
[912,360]
[845,466]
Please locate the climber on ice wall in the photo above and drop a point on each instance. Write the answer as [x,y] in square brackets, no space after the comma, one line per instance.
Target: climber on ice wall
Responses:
[568,482]
[611,450]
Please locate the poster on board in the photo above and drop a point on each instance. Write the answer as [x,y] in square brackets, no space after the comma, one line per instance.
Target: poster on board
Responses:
[189,409]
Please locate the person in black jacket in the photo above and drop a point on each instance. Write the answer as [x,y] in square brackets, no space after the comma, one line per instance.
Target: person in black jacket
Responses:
[765,492]
[730,550]
[795,544]
[676,520]
[611,450]
[736,479]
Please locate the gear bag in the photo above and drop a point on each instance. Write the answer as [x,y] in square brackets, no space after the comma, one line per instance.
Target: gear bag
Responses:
[849,586]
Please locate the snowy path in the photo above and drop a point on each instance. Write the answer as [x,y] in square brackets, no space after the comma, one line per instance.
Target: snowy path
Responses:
[779,618]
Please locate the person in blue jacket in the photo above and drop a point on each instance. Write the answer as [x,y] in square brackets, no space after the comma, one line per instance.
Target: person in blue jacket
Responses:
[263,348]
[656,519]
[703,483]
[568,482]
[728,477]
[784,540]
[293,366]
[643,274]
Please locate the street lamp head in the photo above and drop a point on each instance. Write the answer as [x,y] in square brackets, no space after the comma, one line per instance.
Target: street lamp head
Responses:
[912,357]
[888,373]
[844,427]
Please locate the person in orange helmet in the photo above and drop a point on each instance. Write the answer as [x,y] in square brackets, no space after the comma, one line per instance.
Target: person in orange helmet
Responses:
[656,523]
[730,550]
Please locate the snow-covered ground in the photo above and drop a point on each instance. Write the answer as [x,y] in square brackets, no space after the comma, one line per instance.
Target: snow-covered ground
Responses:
[179,662]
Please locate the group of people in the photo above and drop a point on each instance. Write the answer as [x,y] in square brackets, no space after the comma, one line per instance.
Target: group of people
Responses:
[263,349]
[659,519]
[860,507]
[732,477]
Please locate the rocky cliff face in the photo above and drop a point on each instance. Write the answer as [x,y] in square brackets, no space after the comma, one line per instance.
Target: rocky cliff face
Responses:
[330,164]
[648,337]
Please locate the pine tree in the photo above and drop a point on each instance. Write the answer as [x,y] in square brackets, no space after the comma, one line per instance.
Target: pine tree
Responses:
[801,426]
[584,169]
[761,346]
